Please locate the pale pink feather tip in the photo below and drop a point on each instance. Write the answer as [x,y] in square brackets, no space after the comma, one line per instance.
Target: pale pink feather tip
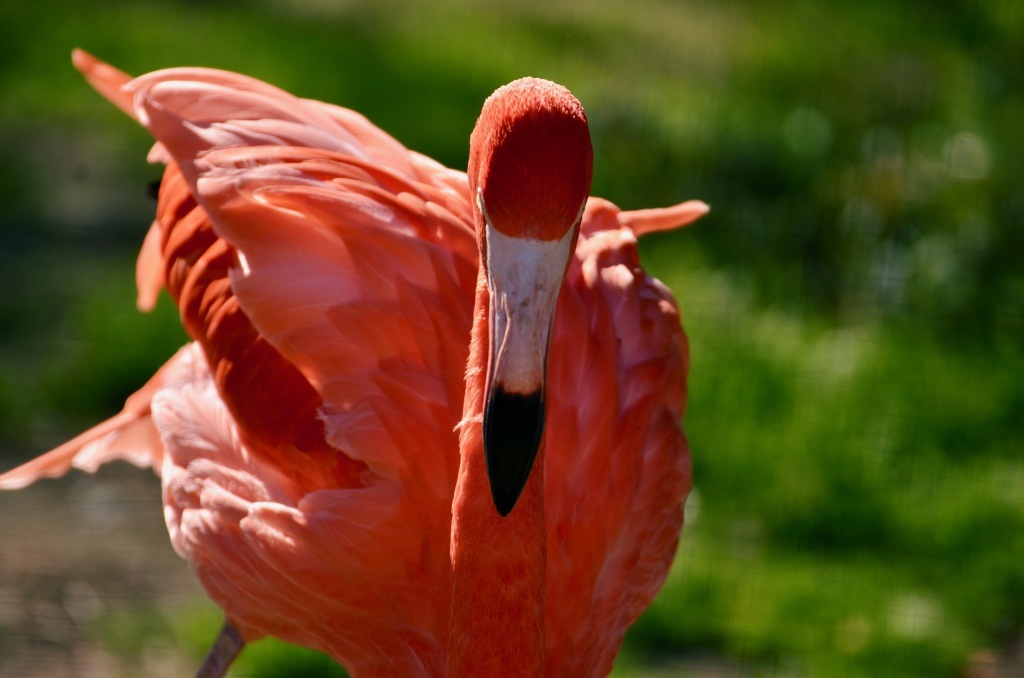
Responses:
[106,79]
[657,219]
[149,270]
[129,436]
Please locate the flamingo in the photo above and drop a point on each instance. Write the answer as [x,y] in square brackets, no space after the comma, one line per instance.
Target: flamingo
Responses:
[429,422]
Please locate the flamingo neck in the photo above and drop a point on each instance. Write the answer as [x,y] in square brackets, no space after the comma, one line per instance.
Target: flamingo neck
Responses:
[499,565]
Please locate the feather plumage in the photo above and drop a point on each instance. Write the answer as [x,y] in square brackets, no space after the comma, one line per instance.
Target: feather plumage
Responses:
[308,438]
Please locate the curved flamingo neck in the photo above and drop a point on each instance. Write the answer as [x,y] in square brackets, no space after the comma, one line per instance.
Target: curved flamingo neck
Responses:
[499,564]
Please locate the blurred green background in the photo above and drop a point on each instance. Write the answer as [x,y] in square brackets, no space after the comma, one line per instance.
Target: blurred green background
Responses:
[855,302]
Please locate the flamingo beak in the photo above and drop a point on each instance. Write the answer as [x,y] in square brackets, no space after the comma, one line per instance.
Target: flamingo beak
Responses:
[524,277]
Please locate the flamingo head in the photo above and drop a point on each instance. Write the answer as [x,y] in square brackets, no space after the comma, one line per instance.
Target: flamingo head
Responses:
[530,167]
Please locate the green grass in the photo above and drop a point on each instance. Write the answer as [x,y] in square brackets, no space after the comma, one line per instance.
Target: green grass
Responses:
[859,495]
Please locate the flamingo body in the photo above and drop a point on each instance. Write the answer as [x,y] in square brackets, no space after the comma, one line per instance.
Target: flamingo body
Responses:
[308,439]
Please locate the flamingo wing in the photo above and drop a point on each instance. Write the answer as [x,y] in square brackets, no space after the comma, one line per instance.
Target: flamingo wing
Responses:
[618,465]
[326,274]
[307,438]
[354,261]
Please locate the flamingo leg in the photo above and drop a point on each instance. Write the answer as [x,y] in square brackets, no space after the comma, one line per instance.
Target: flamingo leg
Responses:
[223,652]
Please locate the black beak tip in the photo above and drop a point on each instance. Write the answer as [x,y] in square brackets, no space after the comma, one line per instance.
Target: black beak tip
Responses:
[505,499]
[513,428]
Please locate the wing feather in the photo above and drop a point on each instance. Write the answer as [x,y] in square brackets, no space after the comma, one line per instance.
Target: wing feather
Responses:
[616,443]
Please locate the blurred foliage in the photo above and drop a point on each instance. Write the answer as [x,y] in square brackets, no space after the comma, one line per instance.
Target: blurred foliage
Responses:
[855,299]
[860,495]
